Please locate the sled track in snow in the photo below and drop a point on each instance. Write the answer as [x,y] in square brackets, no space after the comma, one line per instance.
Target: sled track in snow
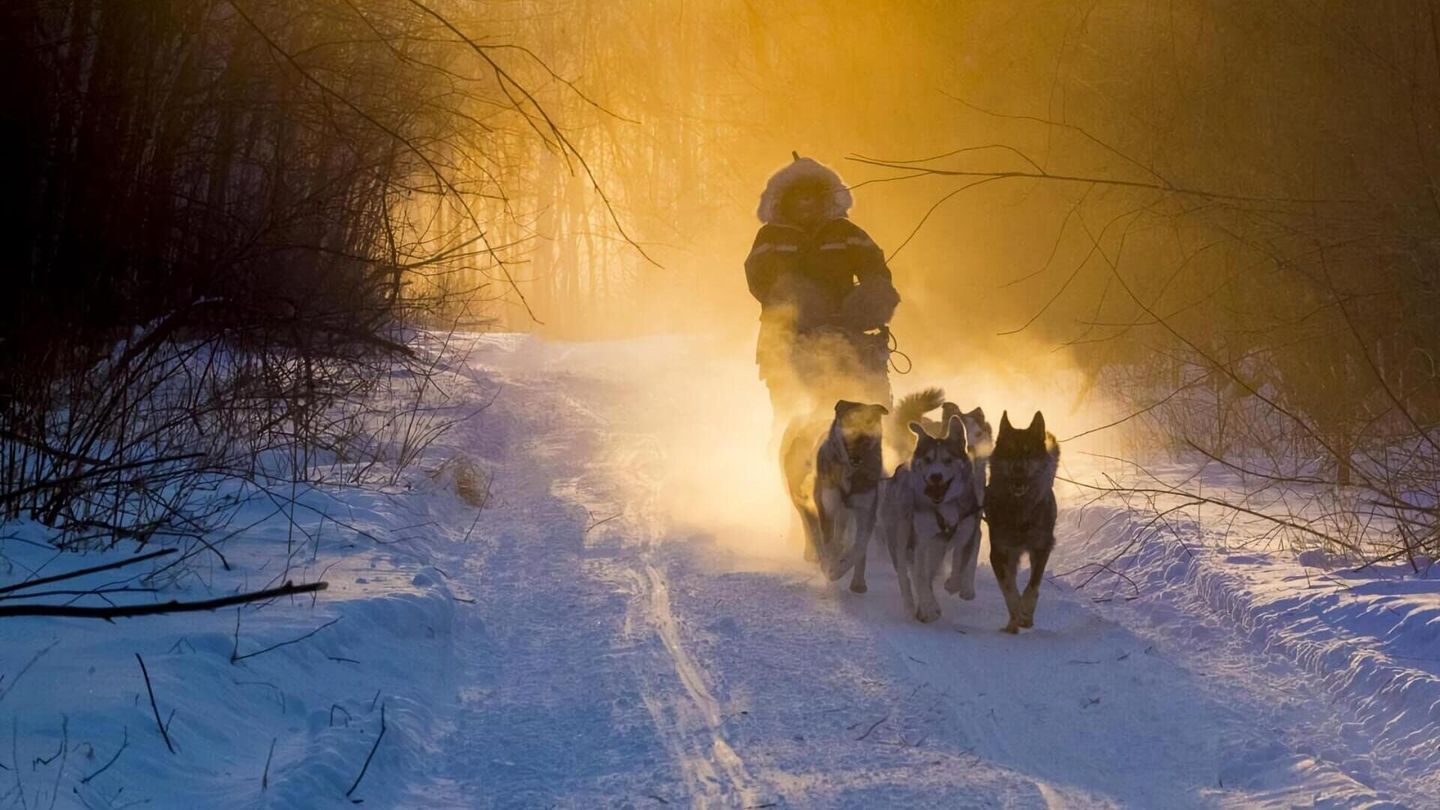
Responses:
[646,635]
[694,726]
[674,685]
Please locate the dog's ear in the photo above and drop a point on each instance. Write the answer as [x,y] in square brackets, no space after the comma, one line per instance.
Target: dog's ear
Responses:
[1037,425]
[978,415]
[1005,426]
[955,433]
[948,409]
[844,406]
[881,409]
[919,431]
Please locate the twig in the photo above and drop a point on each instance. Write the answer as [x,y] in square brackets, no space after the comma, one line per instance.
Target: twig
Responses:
[127,611]
[83,571]
[125,741]
[36,657]
[371,756]
[15,757]
[64,757]
[873,726]
[153,707]
[265,777]
[601,522]
[237,658]
[279,693]
[100,592]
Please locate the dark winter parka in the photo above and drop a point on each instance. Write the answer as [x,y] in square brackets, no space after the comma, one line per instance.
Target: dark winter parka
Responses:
[833,275]
[817,272]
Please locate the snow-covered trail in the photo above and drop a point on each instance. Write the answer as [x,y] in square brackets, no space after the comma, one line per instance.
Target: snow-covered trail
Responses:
[621,653]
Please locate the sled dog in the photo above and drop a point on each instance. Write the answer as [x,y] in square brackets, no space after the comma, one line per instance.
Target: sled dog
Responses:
[834,482]
[966,556]
[930,504]
[1020,507]
[980,438]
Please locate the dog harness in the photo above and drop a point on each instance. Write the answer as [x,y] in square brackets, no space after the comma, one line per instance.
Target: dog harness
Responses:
[861,481]
[947,530]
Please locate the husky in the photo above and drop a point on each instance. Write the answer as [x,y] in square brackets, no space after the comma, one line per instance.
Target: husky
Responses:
[1020,507]
[899,445]
[980,440]
[834,483]
[929,503]
[981,443]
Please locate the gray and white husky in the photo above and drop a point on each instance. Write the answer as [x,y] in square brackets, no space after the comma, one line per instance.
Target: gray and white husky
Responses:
[981,443]
[980,439]
[834,483]
[930,504]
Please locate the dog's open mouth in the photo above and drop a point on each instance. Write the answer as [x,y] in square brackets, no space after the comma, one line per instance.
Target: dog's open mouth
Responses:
[935,491]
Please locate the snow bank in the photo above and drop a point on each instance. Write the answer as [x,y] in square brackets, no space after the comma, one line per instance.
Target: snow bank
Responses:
[272,705]
[1370,637]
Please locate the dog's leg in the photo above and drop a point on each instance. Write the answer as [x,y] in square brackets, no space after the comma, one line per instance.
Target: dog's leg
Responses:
[824,527]
[834,523]
[963,563]
[865,527]
[810,524]
[929,555]
[901,539]
[835,554]
[1031,596]
[1005,565]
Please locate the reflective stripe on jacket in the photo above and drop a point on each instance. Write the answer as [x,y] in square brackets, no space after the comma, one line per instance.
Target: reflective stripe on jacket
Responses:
[816,276]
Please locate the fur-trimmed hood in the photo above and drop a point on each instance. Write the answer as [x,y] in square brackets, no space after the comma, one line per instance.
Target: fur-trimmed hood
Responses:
[798,170]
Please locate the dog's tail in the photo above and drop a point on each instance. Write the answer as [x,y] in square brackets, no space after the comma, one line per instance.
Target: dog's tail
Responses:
[909,409]
[913,406]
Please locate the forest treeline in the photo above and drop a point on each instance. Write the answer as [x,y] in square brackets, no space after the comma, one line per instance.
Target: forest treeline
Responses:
[1224,215]
[222,216]
[1249,252]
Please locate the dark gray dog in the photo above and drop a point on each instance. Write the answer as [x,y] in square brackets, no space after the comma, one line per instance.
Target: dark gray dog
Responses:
[1020,507]
[848,469]
[833,476]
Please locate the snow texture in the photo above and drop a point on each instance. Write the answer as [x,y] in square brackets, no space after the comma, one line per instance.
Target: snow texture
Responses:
[605,634]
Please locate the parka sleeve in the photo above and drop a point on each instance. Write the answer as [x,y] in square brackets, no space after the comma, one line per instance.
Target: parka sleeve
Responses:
[763,265]
[872,303]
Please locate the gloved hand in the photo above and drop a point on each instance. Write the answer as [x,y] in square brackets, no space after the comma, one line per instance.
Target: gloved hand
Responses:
[869,306]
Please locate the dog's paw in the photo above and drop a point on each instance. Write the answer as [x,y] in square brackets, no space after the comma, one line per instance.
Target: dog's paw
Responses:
[927,613]
[1028,602]
[1012,628]
[858,586]
[962,589]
